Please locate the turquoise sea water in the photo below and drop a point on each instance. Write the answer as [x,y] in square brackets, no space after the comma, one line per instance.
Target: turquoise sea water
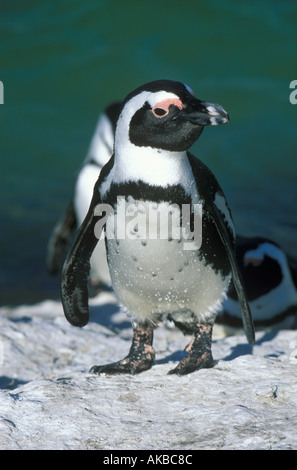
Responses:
[62,61]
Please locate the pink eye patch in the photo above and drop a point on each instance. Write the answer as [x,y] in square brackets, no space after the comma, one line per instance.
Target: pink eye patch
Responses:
[161,109]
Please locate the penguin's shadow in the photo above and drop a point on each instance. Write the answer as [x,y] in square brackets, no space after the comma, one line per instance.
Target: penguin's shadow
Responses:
[237,351]
[10,383]
[245,348]
[176,356]
[104,315]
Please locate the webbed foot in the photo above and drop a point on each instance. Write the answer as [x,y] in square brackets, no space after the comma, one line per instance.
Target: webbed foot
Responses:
[139,359]
[199,352]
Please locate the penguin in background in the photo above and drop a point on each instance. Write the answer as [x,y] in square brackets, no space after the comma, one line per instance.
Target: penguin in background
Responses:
[154,278]
[99,152]
[270,279]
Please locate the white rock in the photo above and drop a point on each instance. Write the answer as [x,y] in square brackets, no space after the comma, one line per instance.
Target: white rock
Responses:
[49,400]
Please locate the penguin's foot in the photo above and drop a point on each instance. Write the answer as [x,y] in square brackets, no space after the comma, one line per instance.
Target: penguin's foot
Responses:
[199,352]
[139,359]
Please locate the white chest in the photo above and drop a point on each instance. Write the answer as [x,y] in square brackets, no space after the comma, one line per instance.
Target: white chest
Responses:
[154,265]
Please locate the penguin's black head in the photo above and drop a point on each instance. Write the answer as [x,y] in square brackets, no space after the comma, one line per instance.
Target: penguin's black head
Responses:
[165,114]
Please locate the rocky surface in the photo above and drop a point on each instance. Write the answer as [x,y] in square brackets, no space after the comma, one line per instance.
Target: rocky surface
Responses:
[49,400]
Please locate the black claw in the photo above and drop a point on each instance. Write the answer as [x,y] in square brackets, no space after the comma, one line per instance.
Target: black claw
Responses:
[95,370]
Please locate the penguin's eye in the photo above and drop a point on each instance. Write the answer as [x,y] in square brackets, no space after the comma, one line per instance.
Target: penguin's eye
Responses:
[160,112]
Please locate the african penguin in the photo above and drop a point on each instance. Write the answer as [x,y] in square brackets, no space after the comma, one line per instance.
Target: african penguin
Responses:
[99,152]
[270,278]
[155,274]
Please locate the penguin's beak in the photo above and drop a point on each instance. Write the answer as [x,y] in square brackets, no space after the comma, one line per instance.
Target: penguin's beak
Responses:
[204,113]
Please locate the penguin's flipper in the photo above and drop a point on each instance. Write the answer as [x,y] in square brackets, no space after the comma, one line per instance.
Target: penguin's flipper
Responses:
[248,324]
[59,240]
[76,269]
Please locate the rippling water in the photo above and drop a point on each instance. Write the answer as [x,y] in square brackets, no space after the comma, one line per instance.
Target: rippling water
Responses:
[62,61]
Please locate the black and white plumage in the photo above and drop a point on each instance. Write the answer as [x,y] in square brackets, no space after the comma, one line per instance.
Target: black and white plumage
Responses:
[99,152]
[270,279]
[152,277]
